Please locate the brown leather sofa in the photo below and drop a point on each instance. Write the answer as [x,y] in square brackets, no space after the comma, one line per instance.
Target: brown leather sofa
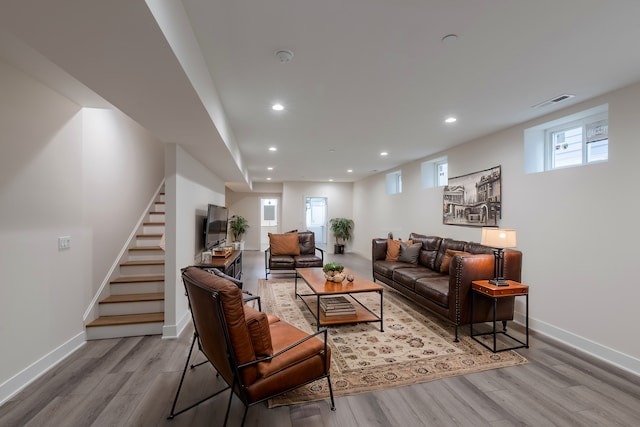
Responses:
[259,356]
[448,292]
[281,257]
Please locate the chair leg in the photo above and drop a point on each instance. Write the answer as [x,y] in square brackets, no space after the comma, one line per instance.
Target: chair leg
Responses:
[184,371]
[333,405]
[175,400]
[233,386]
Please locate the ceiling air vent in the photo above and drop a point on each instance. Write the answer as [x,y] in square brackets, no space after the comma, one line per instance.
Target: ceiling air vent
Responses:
[558,99]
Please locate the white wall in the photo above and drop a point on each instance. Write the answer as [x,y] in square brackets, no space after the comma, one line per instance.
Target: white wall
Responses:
[339,205]
[576,227]
[190,187]
[62,170]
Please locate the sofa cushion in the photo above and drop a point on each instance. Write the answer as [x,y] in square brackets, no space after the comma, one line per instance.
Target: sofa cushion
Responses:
[407,276]
[282,261]
[284,244]
[302,261]
[258,325]
[429,251]
[409,252]
[386,268]
[307,242]
[435,288]
[456,245]
[393,250]
[446,261]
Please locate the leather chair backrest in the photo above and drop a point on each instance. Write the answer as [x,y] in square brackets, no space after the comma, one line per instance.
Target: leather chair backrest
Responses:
[307,242]
[217,308]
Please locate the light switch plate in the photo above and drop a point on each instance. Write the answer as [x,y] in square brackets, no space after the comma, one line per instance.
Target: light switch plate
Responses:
[64,242]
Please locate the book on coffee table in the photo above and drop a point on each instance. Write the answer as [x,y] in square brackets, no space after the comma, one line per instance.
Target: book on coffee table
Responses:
[336,306]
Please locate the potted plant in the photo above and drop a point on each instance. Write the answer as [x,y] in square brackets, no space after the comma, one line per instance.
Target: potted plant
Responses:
[239,226]
[341,229]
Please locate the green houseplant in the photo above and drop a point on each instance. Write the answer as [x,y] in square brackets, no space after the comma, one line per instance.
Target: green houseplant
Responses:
[333,272]
[239,226]
[341,229]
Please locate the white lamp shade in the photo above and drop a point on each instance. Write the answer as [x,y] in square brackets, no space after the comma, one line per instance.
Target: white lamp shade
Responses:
[499,238]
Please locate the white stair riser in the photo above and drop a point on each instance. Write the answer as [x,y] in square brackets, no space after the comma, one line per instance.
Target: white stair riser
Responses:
[138,307]
[158,207]
[136,288]
[146,255]
[156,217]
[104,332]
[141,270]
[153,229]
[147,241]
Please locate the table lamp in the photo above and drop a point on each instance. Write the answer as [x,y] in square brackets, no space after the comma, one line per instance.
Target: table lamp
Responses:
[499,239]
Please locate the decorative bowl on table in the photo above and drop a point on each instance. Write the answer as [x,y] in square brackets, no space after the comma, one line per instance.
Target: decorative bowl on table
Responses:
[333,272]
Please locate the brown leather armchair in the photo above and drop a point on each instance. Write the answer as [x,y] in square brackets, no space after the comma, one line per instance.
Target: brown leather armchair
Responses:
[258,355]
[305,255]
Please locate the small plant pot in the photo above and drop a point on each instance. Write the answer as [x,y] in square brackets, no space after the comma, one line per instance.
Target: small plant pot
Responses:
[338,249]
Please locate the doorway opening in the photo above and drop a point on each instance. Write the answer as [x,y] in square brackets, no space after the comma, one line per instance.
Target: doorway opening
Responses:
[268,220]
[316,219]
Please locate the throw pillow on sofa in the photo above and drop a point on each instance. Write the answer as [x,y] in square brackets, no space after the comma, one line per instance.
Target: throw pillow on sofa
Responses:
[284,244]
[393,249]
[446,260]
[409,252]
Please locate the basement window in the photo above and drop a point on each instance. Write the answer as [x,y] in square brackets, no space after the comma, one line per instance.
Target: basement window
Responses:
[576,140]
[435,173]
[394,182]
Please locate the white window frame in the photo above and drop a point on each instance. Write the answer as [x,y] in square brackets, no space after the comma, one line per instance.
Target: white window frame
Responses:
[538,144]
[394,182]
[550,148]
[429,172]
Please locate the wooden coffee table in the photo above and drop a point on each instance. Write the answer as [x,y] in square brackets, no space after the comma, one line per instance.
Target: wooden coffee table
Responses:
[315,280]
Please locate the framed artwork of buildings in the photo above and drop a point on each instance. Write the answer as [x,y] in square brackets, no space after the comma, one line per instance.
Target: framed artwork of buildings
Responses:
[473,199]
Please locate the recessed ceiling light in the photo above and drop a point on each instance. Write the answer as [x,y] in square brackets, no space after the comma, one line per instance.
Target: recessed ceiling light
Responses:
[450,120]
[349,170]
[270,168]
[273,149]
[330,179]
[277,107]
[268,179]
[384,153]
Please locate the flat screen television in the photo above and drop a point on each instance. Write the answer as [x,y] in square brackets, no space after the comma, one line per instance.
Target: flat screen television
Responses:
[215,227]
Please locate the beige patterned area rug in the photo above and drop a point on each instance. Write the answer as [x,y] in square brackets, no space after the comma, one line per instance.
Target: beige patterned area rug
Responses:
[415,347]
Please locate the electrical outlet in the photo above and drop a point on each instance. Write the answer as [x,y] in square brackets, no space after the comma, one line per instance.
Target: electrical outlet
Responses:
[64,242]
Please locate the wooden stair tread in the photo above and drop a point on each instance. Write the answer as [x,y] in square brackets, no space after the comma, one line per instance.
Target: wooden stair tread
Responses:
[146,248]
[138,279]
[151,236]
[127,319]
[152,223]
[152,296]
[145,262]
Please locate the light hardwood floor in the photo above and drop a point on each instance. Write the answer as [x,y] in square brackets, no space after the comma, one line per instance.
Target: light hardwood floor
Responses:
[132,381]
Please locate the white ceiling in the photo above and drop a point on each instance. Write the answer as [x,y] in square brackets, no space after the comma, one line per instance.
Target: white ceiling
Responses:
[367,75]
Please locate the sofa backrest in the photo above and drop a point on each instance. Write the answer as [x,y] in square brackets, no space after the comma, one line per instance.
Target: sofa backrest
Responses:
[456,245]
[307,242]
[429,250]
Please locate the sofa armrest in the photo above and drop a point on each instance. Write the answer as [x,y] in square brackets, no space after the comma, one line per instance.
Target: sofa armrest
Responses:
[378,249]
[463,270]
[321,253]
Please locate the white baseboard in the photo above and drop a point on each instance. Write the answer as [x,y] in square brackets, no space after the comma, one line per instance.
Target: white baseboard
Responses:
[599,351]
[174,331]
[15,384]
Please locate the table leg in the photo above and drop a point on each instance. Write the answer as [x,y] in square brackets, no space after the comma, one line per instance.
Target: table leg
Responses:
[381,316]
[495,308]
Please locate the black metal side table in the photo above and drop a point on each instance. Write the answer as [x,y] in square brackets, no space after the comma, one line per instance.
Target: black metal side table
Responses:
[488,290]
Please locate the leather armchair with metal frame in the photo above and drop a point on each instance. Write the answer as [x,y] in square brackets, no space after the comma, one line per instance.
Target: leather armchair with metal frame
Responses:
[259,356]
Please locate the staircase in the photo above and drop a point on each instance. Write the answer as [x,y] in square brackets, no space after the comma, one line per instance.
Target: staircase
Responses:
[135,305]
